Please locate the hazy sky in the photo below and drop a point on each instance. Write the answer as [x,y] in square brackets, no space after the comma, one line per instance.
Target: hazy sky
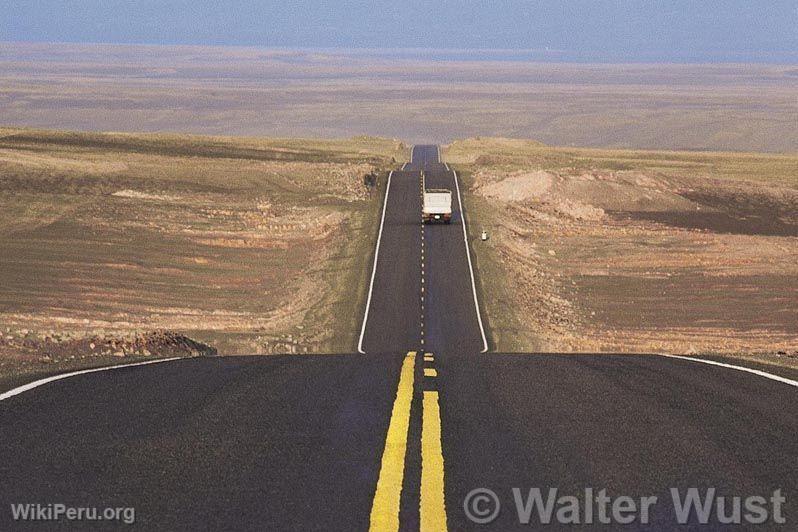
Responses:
[676,29]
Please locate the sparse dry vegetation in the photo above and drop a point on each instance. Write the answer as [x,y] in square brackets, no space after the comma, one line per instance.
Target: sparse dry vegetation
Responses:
[629,251]
[249,245]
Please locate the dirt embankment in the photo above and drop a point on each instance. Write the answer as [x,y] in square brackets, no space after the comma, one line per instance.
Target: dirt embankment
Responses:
[638,260]
[53,346]
[25,354]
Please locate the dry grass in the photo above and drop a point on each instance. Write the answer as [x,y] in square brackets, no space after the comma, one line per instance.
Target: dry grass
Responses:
[250,245]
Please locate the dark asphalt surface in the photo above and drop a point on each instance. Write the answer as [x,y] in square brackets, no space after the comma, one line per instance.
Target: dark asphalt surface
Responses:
[295,442]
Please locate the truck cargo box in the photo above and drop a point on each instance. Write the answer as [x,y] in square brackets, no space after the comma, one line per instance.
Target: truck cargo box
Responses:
[437,205]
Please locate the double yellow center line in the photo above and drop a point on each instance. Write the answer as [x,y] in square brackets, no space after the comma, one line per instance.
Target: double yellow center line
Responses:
[385,508]
[433,504]
[387,498]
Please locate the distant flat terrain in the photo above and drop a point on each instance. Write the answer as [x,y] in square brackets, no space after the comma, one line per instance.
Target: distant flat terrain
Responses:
[261,92]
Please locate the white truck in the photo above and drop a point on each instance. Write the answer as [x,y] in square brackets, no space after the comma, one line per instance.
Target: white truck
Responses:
[437,205]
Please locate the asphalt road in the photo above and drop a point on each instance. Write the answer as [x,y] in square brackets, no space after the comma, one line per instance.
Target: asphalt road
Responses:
[393,438]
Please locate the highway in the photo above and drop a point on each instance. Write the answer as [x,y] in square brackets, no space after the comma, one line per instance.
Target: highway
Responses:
[398,435]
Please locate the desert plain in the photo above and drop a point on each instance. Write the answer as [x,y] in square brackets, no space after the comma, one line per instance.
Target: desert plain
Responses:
[177,201]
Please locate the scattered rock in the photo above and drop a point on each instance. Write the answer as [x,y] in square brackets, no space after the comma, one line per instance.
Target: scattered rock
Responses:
[156,343]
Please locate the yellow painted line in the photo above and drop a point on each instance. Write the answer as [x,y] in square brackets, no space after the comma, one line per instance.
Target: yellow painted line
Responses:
[385,507]
[430,372]
[433,504]
[429,357]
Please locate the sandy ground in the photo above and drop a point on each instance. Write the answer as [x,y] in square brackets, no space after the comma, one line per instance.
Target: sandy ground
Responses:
[663,254]
[245,245]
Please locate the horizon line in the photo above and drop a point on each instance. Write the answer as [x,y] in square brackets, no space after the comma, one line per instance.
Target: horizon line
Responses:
[544,55]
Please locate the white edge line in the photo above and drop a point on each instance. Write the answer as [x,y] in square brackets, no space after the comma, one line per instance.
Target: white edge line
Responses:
[470,266]
[374,267]
[404,166]
[438,147]
[739,368]
[41,382]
